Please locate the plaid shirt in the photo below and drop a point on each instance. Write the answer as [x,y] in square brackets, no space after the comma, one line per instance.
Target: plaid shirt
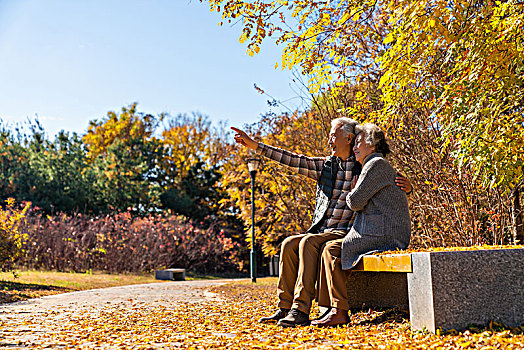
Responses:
[338,216]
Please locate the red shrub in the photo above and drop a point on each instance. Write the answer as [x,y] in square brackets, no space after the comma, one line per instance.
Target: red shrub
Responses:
[123,243]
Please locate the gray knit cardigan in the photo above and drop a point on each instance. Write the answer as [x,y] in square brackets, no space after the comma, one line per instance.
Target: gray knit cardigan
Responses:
[382,219]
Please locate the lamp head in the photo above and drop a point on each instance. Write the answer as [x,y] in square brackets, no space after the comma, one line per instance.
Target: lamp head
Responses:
[253,164]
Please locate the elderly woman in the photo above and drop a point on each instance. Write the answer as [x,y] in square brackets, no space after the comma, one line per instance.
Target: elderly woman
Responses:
[381,223]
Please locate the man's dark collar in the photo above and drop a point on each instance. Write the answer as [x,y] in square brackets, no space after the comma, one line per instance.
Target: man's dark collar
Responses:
[340,160]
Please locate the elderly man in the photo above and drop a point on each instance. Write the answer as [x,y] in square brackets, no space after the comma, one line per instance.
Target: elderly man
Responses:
[299,255]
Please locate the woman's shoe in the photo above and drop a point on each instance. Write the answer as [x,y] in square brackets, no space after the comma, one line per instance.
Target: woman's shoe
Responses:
[336,317]
[324,315]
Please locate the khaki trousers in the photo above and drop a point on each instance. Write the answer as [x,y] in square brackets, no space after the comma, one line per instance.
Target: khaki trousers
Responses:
[332,289]
[299,263]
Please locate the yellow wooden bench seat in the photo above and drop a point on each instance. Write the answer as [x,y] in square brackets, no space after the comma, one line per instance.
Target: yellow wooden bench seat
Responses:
[385,263]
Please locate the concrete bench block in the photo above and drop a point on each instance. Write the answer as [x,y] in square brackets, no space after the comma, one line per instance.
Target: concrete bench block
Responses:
[451,290]
[171,274]
[377,290]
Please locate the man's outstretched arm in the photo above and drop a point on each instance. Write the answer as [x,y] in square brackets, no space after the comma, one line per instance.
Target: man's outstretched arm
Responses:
[308,166]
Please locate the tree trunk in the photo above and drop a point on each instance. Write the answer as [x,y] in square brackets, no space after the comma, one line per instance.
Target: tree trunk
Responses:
[516,216]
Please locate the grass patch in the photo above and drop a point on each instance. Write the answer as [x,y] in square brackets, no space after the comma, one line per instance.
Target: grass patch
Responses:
[34,284]
[270,282]
[190,275]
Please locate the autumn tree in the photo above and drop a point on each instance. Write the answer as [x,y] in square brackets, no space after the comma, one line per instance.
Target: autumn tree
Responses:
[128,126]
[190,140]
[126,155]
[195,154]
[62,180]
[13,166]
[444,78]
[53,175]
[462,63]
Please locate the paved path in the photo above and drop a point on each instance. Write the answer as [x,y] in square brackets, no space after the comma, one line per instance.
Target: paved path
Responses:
[54,308]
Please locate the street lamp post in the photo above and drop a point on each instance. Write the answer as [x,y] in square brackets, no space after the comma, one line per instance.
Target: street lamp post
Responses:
[252,165]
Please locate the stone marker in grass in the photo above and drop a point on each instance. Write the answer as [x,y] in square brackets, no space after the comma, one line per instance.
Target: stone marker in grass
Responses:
[171,274]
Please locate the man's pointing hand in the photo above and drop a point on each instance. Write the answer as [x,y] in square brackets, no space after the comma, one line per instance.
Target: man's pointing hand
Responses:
[243,139]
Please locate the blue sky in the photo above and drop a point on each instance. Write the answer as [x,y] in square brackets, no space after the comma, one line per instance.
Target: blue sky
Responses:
[71,61]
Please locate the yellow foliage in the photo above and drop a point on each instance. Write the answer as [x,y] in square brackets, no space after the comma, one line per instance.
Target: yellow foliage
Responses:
[128,125]
[458,62]
[11,237]
[463,64]
[191,140]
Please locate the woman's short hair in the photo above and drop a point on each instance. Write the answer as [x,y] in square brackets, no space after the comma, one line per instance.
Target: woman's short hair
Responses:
[348,125]
[374,136]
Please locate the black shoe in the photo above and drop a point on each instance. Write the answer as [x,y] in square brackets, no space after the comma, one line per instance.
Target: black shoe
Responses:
[280,314]
[294,318]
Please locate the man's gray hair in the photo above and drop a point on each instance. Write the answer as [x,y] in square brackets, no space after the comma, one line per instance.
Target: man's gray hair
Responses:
[348,125]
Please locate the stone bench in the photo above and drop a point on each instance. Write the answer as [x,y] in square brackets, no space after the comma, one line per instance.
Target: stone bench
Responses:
[171,274]
[443,290]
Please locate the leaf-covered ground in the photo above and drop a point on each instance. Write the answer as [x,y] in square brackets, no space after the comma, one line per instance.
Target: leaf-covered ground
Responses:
[230,322]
